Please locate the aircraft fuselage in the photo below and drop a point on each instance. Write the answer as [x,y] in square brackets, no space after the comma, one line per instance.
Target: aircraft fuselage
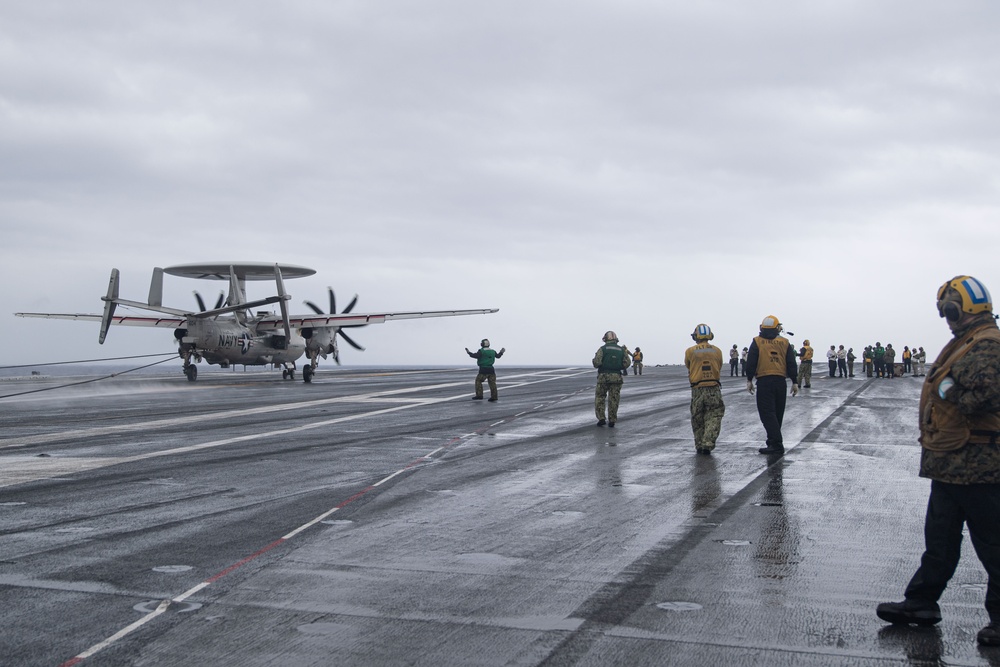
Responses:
[227,341]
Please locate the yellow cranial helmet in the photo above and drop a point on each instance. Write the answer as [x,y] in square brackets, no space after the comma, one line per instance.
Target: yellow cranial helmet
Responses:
[770,322]
[610,337]
[974,297]
[702,332]
[805,342]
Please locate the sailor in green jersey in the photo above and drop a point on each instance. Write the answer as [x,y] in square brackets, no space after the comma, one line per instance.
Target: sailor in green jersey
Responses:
[485,357]
[610,362]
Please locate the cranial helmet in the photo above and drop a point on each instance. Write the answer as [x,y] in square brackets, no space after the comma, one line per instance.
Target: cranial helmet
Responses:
[770,322]
[963,294]
[702,332]
[805,342]
[484,342]
[610,337]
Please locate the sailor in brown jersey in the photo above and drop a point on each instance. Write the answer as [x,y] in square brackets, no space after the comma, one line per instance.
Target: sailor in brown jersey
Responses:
[960,439]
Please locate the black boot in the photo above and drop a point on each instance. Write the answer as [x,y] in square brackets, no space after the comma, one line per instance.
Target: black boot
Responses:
[990,635]
[921,612]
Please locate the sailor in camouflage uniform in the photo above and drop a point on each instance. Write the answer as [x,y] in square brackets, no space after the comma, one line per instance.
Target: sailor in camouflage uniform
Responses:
[610,361]
[704,364]
[959,435]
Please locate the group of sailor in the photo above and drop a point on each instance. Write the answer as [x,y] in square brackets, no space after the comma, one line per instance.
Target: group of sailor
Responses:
[959,420]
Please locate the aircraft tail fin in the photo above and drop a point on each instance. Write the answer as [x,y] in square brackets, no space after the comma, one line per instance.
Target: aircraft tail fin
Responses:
[110,303]
[156,288]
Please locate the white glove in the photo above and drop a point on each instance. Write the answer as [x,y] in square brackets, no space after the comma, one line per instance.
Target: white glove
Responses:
[795,389]
[750,386]
[946,384]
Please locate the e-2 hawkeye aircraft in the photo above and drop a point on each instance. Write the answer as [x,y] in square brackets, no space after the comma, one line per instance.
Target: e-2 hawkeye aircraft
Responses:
[232,333]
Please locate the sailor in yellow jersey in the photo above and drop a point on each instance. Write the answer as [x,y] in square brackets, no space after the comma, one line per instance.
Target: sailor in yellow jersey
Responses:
[806,364]
[704,364]
[771,359]
[637,361]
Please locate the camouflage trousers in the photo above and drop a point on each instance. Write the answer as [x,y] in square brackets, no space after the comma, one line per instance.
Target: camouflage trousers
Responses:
[805,374]
[608,395]
[707,410]
[491,380]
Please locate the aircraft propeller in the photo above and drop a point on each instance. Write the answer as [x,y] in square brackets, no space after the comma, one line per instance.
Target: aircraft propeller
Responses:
[201,302]
[333,311]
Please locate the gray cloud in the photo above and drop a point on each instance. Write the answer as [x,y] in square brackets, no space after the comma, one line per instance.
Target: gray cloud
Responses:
[642,167]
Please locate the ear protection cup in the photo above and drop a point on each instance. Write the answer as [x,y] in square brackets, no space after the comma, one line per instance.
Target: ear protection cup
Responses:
[951,311]
[702,332]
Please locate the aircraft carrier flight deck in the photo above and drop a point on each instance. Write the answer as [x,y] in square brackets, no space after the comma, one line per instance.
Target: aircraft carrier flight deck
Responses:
[381,517]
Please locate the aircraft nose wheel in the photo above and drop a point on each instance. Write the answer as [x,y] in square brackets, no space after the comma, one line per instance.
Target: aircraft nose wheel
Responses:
[191,372]
[287,374]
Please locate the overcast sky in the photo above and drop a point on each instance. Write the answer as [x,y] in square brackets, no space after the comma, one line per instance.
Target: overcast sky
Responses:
[641,166]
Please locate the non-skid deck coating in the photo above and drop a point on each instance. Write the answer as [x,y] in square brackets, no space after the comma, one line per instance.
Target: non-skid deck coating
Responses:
[383,518]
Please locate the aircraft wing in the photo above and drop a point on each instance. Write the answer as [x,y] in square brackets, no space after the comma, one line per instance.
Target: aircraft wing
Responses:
[360,319]
[125,320]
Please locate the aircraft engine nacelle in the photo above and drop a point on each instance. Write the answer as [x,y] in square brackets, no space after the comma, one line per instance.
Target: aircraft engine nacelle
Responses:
[180,333]
[320,341]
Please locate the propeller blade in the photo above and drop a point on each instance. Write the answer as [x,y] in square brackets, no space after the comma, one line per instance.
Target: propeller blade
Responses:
[220,300]
[316,309]
[333,301]
[350,306]
[201,302]
[349,341]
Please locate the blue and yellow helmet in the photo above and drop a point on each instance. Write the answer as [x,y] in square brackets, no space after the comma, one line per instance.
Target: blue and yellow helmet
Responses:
[974,296]
[702,332]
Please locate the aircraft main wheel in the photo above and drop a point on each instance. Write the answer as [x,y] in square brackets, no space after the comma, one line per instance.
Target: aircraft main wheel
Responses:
[192,373]
[307,374]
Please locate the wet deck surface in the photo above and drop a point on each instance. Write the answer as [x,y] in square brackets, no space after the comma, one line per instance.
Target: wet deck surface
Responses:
[383,518]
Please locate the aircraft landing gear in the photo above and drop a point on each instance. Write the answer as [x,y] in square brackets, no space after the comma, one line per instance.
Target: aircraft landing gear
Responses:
[307,373]
[191,371]
[288,374]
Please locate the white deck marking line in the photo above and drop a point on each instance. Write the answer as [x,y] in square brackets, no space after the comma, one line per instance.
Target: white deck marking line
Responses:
[49,468]
[386,479]
[187,419]
[208,582]
[43,438]
[309,524]
[162,607]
